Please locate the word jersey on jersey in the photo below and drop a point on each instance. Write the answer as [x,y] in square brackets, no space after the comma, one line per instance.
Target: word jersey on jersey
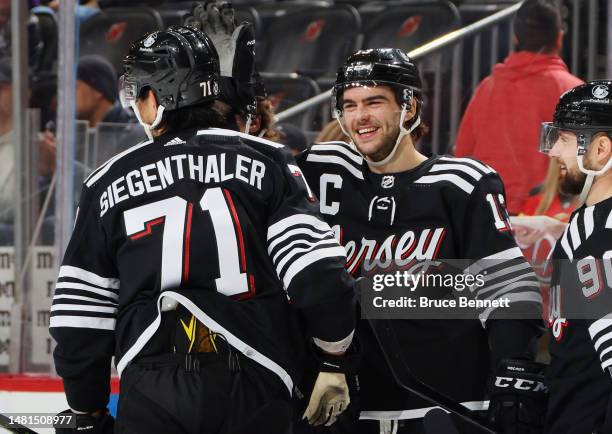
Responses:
[446,208]
[579,315]
[216,221]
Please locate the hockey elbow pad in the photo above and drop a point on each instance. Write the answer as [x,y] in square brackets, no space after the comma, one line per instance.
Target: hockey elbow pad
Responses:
[517,397]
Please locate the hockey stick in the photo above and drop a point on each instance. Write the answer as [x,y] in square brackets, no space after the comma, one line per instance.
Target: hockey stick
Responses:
[392,352]
[14,427]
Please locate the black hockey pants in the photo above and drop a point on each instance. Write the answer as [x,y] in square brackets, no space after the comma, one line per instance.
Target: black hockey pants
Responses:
[203,393]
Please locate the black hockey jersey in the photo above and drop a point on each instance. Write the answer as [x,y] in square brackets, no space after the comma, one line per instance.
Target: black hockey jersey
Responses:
[580,322]
[221,223]
[447,208]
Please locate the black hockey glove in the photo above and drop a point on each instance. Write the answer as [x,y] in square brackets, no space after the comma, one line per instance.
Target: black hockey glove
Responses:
[517,397]
[87,424]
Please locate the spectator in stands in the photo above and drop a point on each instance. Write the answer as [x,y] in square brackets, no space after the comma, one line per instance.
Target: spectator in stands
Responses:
[7,150]
[84,10]
[501,124]
[97,97]
[5,12]
[550,200]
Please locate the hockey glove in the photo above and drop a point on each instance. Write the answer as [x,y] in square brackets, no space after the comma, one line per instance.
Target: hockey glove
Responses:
[330,394]
[88,424]
[235,44]
[329,398]
[518,397]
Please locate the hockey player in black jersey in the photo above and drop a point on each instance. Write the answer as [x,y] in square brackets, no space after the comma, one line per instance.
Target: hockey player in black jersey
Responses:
[386,201]
[580,300]
[190,255]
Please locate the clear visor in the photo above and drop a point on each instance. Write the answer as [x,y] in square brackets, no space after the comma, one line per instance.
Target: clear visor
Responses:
[549,134]
[128,91]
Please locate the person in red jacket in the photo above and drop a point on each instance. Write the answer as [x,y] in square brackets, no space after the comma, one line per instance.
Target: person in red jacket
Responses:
[501,124]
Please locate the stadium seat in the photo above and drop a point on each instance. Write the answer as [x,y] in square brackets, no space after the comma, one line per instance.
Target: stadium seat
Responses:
[311,41]
[286,90]
[407,24]
[111,32]
[47,23]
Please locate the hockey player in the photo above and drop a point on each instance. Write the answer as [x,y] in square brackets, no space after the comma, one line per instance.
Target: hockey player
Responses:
[185,251]
[580,302]
[385,200]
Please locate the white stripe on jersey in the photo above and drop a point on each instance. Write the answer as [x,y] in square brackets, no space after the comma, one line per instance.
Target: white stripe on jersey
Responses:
[589,222]
[87,322]
[334,159]
[231,133]
[565,244]
[330,146]
[88,277]
[310,258]
[302,250]
[609,221]
[602,339]
[293,232]
[600,325]
[296,219]
[500,257]
[509,286]
[460,167]
[416,413]
[533,296]
[574,235]
[82,287]
[83,308]
[481,166]
[97,174]
[454,179]
[301,241]
[214,327]
[507,270]
[81,298]
[487,289]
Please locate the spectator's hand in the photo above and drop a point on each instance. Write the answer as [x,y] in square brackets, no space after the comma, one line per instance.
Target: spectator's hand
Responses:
[47,149]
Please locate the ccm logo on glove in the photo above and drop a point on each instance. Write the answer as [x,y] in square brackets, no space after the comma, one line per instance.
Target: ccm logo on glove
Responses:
[520,384]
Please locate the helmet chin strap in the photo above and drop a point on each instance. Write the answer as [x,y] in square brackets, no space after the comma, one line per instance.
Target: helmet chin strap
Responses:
[247,124]
[403,132]
[148,128]
[591,174]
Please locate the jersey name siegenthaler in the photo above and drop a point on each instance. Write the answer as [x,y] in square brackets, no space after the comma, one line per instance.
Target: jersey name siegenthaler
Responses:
[164,173]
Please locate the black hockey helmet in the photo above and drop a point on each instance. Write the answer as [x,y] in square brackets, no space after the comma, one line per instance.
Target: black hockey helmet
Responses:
[180,65]
[585,110]
[375,67]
